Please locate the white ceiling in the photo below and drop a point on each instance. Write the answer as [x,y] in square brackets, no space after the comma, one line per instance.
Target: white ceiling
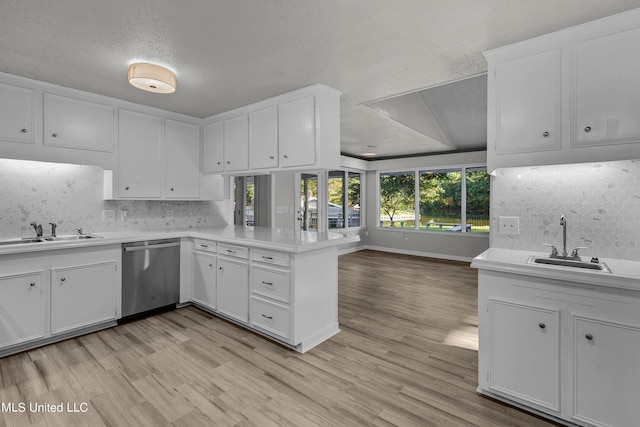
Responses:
[230,53]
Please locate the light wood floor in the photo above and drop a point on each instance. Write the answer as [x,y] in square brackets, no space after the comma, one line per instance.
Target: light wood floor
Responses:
[406,356]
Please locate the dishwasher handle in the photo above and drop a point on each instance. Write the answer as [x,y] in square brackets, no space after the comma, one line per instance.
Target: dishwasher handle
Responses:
[149,247]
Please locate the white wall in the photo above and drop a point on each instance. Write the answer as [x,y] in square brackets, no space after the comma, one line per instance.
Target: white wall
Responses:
[601,202]
[71,196]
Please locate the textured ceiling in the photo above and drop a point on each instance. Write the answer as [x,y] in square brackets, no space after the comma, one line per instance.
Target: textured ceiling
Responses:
[231,53]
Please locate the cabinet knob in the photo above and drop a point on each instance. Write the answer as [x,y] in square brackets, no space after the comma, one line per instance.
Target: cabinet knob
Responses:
[589,337]
[587,129]
[542,325]
[285,156]
[171,188]
[126,188]
[55,135]
[545,134]
[32,284]
[271,157]
[63,279]
[210,265]
[220,268]
[219,162]
[23,130]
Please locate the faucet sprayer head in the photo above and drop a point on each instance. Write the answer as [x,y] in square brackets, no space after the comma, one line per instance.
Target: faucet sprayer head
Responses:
[562,220]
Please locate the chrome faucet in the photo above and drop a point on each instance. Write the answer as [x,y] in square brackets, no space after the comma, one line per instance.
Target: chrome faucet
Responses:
[38,228]
[563,223]
[53,228]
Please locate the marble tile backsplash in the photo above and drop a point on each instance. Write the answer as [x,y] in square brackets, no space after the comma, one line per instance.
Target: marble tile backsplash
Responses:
[71,196]
[601,202]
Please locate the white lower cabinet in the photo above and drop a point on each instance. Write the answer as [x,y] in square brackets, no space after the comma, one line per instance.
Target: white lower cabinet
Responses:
[21,308]
[564,349]
[270,316]
[606,365]
[204,279]
[233,285]
[51,295]
[82,295]
[525,349]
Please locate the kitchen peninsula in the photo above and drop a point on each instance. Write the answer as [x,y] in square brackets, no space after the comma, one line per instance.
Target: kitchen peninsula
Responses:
[279,283]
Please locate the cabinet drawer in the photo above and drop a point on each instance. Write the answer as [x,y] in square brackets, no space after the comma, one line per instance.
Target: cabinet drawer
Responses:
[269,257]
[270,282]
[271,317]
[205,245]
[234,251]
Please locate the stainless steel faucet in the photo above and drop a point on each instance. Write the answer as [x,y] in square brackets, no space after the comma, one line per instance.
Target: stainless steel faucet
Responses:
[38,228]
[53,228]
[563,223]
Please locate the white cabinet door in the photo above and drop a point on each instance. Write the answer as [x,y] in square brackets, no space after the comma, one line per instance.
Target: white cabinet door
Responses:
[82,295]
[233,288]
[213,145]
[297,131]
[528,104]
[606,373]
[525,352]
[16,114]
[204,280]
[263,138]
[181,160]
[607,90]
[139,171]
[236,143]
[79,124]
[21,308]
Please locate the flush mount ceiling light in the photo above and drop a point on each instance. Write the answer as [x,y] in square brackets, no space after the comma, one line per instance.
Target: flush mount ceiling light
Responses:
[152,78]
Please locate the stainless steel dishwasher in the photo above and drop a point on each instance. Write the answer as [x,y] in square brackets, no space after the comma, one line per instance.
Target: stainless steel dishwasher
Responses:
[150,276]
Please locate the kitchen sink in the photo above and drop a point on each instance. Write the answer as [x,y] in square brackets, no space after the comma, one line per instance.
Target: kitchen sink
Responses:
[587,265]
[62,238]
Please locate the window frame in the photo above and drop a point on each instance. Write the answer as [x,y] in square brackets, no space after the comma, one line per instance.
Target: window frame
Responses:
[345,198]
[416,172]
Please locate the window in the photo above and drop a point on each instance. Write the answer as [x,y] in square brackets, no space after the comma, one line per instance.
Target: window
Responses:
[449,200]
[397,200]
[344,191]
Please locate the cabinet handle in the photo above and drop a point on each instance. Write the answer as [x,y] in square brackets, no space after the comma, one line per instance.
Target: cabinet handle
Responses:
[267,317]
[285,156]
[23,130]
[267,257]
[589,337]
[267,283]
[271,157]
[545,134]
[228,162]
[63,279]
[32,284]
[542,325]
[55,135]
[587,129]
[230,251]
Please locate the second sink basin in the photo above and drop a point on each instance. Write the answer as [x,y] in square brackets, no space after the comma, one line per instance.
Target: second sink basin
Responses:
[598,266]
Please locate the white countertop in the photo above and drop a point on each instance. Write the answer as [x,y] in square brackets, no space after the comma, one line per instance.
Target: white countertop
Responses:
[257,237]
[624,274]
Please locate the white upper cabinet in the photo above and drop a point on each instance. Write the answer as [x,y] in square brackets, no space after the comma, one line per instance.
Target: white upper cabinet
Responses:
[299,129]
[16,114]
[607,90]
[263,138]
[73,123]
[567,97]
[213,148]
[181,160]
[528,104]
[139,170]
[236,143]
[297,132]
